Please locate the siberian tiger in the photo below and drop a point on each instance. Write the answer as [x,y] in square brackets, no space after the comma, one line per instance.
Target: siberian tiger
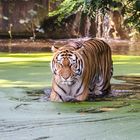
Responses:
[80,69]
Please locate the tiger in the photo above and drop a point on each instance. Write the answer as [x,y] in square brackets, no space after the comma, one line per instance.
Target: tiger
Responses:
[81,69]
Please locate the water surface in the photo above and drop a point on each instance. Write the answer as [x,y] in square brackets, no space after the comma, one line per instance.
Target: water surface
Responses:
[26,115]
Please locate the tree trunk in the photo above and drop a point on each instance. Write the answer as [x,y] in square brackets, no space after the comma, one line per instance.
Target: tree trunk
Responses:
[46,3]
[5,13]
[93,28]
[84,25]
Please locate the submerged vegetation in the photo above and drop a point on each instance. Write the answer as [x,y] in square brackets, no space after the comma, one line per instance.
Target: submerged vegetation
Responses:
[35,67]
[33,75]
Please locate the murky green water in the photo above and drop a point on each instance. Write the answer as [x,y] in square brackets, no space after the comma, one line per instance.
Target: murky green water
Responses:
[26,115]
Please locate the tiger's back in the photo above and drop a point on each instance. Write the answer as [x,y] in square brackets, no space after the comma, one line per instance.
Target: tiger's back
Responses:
[84,68]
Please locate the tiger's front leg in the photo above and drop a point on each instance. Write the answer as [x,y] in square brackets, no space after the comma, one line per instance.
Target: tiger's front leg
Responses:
[58,98]
[84,95]
[55,97]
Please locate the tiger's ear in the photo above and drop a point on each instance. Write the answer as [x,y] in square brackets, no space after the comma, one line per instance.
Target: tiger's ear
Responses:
[81,49]
[54,48]
[76,45]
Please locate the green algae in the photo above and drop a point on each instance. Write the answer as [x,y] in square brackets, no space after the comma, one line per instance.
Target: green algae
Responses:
[23,78]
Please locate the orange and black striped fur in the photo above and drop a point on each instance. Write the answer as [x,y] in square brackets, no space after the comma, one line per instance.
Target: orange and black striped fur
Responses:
[80,69]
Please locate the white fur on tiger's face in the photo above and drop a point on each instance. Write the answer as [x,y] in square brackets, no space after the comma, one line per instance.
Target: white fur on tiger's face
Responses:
[81,69]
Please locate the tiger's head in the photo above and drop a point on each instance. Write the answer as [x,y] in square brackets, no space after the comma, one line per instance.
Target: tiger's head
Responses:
[66,65]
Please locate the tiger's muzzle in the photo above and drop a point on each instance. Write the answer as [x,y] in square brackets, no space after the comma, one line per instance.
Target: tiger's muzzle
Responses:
[69,81]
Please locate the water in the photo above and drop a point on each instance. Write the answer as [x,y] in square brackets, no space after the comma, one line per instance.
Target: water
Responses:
[120,47]
[26,115]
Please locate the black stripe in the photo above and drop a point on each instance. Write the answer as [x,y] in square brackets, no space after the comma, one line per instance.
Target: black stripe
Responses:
[58,95]
[97,45]
[79,88]
[61,88]
[81,66]
[85,54]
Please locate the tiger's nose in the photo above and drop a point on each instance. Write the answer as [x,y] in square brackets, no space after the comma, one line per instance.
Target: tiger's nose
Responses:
[66,74]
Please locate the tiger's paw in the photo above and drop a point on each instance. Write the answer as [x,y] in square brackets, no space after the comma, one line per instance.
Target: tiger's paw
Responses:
[71,99]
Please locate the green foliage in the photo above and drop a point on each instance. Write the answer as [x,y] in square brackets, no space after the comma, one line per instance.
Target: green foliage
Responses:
[130,9]
[92,6]
[133,14]
[88,7]
[66,8]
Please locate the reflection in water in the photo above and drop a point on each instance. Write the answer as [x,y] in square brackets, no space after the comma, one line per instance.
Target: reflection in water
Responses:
[124,47]
[134,80]
[25,46]
[129,88]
